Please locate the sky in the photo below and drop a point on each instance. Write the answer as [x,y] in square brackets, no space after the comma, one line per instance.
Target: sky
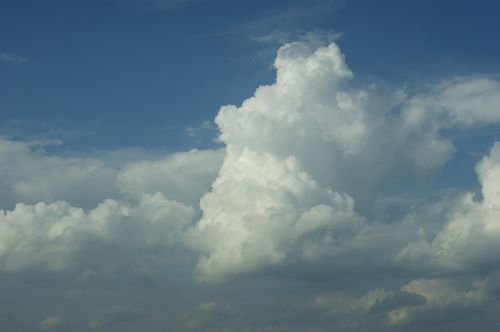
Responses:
[196,165]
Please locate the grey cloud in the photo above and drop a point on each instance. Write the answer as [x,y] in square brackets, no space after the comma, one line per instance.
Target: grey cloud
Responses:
[442,301]
[51,322]
[117,315]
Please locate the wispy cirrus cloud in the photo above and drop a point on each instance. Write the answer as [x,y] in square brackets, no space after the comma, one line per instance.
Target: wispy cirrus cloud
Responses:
[279,24]
[12,57]
[162,5]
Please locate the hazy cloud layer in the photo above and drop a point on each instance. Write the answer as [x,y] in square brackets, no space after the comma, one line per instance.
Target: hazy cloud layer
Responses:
[280,230]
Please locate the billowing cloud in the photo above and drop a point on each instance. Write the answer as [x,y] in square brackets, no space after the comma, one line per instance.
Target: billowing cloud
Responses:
[31,176]
[470,236]
[65,210]
[286,214]
[307,155]
[56,235]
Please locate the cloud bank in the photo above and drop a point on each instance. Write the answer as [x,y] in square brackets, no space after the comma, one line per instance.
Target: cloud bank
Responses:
[295,196]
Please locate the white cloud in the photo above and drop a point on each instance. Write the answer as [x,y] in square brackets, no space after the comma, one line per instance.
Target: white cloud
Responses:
[459,102]
[289,196]
[304,159]
[30,176]
[308,154]
[470,237]
[55,236]
[184,176]
[60,211]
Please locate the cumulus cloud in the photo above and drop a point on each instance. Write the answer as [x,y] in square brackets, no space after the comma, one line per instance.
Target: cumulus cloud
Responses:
[307,155]
[303,162]
[459,102]
[291,195]
[470,236]
[59,212]
[31,176]
[55,235]
[184,176]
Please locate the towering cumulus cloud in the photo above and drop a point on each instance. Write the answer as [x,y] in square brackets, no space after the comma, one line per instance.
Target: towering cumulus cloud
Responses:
[307,156]
[319,213]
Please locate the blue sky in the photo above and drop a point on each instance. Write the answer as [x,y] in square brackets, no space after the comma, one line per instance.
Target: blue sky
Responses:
[249,166]
[136,73]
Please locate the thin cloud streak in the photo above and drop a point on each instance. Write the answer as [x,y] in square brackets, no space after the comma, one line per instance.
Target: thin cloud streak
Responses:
[12,57]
